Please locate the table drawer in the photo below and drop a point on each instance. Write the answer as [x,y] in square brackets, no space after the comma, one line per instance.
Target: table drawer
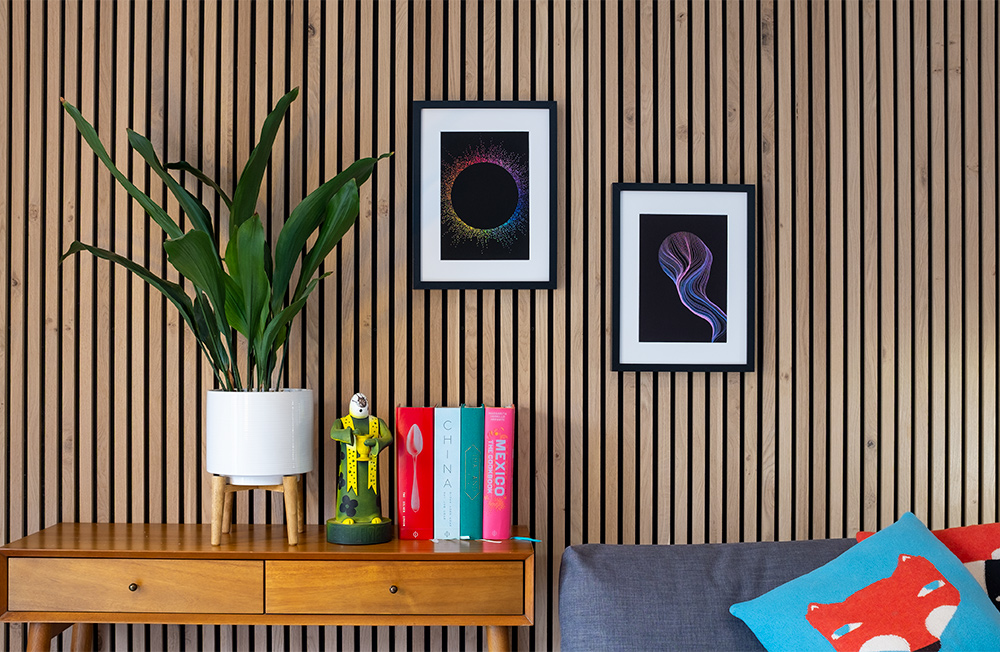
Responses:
[395,587]
[160,585]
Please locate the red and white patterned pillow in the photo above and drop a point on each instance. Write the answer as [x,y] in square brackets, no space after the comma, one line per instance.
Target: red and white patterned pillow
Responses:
[976,546]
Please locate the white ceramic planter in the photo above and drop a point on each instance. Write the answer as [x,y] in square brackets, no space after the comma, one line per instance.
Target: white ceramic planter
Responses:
[255,438]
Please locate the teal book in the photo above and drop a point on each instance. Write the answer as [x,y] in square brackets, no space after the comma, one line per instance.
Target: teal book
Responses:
[471,501]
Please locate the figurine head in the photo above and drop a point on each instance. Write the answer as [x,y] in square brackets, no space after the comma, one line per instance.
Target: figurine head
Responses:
[359,406]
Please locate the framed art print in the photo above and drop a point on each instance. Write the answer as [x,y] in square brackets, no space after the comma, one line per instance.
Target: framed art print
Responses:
[483,192]
[683,268]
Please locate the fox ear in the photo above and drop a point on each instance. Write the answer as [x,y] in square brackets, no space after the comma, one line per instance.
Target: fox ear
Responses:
[813,605]
[903,558]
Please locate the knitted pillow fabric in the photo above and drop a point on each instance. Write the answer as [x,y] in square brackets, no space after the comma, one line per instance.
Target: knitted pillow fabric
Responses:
[900,589]
[976,546]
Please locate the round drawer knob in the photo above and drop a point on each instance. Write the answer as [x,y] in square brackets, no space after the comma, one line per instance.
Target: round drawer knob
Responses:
[133,587]
[393,588]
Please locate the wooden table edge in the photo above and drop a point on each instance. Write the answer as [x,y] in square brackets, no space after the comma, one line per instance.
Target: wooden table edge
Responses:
[43,626]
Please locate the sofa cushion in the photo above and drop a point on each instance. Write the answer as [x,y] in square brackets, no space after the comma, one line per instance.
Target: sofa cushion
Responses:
[677,597]
[976,546]
[900,589]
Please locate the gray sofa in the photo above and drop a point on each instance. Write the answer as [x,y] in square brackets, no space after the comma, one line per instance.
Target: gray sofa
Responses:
[674,597]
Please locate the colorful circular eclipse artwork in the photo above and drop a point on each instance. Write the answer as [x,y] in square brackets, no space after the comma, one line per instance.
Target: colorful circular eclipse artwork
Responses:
[484,196]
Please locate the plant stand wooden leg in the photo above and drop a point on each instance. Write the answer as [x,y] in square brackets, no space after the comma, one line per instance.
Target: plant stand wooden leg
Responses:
[218,498]
[227,512]
[301,481]
[40,635]
[498,638]
[83,637]
[290,484]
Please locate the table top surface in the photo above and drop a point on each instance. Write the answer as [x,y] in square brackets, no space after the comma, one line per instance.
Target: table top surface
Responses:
[190,541]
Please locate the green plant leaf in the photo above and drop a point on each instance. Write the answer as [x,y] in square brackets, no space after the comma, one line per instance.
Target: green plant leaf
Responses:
[195,257]
[268,343]
[153,209]
[184,166]
[306,218]
[193,208]
[235,314]
[248,187]
[210,336]
[172,291]
[341,211]
[245,258]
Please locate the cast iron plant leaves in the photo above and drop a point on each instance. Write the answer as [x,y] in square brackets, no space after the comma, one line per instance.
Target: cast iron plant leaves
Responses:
[246,290]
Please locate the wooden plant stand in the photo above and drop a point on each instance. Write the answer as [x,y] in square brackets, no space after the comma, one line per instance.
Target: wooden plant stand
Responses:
[222,505]
[169,574]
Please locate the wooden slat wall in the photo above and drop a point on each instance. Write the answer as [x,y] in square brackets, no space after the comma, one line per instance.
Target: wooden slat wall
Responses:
[869,129]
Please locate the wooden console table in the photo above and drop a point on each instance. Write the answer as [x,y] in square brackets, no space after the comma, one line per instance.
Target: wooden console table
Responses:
[171,574]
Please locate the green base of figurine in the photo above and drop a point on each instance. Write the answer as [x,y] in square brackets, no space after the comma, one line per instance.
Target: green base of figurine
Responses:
[358,534]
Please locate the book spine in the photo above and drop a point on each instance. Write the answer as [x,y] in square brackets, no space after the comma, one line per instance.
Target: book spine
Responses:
[499,460]
[471,499]
[447,451]
[415,472]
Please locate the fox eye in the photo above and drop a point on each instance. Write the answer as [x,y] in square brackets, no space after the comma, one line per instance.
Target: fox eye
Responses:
[933,586]
[845,629]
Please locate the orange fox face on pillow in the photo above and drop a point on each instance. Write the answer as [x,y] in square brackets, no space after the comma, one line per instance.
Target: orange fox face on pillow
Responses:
[906,611]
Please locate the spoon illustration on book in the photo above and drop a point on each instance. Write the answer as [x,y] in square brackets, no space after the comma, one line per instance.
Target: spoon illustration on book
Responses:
[414,446]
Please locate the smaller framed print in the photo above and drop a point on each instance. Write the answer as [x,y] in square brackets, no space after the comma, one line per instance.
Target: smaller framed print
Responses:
[683,277]
[483,194]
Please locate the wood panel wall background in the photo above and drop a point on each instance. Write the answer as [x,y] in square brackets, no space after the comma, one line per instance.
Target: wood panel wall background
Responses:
[868,128]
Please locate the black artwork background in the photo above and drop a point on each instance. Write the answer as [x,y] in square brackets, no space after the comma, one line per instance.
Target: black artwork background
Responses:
[662,316]
[511,153]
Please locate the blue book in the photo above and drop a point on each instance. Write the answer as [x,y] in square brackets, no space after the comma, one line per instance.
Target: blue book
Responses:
[447,454]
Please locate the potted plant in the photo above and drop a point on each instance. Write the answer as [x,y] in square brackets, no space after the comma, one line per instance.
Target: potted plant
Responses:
[243,297]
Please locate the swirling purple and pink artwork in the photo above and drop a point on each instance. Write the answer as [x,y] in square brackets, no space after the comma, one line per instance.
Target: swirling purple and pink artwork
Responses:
[687,261]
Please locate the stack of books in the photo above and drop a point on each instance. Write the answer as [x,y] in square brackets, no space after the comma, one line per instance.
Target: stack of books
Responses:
[454,476]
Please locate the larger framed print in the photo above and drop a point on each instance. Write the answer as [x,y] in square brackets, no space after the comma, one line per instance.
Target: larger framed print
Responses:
[483,194]
[683,277]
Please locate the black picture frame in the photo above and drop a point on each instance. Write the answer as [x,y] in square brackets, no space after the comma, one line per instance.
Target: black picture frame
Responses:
[671,311]
[483,194]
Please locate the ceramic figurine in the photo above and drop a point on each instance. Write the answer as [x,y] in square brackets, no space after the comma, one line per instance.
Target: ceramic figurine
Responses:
[360,437]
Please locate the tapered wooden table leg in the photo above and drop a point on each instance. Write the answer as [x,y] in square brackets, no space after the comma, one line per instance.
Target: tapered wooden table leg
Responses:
[291,485]
[498,638]
[83,637]
[218,498]
[40,635]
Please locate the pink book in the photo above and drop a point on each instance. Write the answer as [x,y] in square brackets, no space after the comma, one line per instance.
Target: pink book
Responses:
[415,472]
[498,460]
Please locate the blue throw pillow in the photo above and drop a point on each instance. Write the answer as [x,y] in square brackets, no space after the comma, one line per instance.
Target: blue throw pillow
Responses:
[900,589]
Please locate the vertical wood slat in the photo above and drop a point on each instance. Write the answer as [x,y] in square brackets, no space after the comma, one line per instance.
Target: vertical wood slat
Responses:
[892,445]
[868,129]
[835,246]
[988,251]
[937,254]
[819,281]
[750,146]
[972,262]
[767,302]
[784,265]
[32,284]
[853,159]
[870,438]
[802,326]
[901,158]
[921,175]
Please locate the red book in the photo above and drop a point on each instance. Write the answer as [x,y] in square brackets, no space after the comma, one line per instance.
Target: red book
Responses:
[498,460]
[415,472]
